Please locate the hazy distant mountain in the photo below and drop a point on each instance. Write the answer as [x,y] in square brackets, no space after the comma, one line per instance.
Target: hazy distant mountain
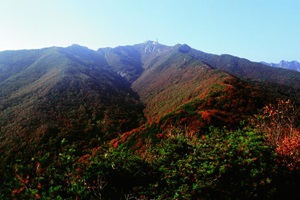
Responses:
[292,65]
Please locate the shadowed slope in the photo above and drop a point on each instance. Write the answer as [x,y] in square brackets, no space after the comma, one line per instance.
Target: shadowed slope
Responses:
[65,93]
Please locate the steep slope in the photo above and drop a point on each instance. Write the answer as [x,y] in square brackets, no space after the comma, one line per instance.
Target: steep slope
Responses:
[248,70]
[63,93]
[172,76]
[123,60]
[131,61]
[182,93]
[149,54]
[174,80]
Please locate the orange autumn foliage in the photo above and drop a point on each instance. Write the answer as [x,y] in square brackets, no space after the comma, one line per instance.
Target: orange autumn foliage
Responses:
[206,115]
[280,122]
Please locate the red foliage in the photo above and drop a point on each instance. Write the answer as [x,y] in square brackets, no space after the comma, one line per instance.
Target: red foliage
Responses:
[139,143]
[289,151]
[17,191]
[95,151]
[84,158]
[115,143]
[160,136]
[280,122]
[37,196]
[206,115]
[183,120]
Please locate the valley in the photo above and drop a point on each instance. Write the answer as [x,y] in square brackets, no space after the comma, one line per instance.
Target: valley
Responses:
[147,120]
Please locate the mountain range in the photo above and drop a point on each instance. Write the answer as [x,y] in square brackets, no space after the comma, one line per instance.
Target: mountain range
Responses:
[78,92]
[292,65]
[126,94]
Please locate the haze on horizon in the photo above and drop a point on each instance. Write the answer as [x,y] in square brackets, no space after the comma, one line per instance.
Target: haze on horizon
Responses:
[257,30]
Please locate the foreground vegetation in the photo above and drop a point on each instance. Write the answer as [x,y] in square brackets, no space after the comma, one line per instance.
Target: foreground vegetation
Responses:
[218,164]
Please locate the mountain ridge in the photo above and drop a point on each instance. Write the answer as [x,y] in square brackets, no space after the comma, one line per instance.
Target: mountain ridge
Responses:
[291,65]
[159,77]
[63,93]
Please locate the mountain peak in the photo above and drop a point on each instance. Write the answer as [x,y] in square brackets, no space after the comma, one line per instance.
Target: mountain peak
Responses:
[184,48]
[151,46]
[149,42]
[291,65]
[77,46]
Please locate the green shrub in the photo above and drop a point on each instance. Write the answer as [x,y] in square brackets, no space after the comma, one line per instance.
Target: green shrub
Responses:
[223,164]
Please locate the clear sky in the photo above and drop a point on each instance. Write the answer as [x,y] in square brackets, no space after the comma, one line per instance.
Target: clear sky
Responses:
[259,30]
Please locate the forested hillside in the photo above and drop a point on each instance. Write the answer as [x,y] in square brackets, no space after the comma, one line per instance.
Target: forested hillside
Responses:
[146,121]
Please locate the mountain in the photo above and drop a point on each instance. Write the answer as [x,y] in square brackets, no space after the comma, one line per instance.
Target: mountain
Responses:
[62,93]
[63,107]
[79,93]
[293,65]
[167,77]
[247,70]
[190,90]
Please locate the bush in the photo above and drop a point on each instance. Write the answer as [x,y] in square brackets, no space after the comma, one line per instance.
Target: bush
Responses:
[223,164]
[280,123]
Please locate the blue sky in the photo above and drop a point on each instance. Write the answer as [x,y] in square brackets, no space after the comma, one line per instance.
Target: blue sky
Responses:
[259,30]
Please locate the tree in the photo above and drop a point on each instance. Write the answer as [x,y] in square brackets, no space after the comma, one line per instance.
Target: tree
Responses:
[280,122]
